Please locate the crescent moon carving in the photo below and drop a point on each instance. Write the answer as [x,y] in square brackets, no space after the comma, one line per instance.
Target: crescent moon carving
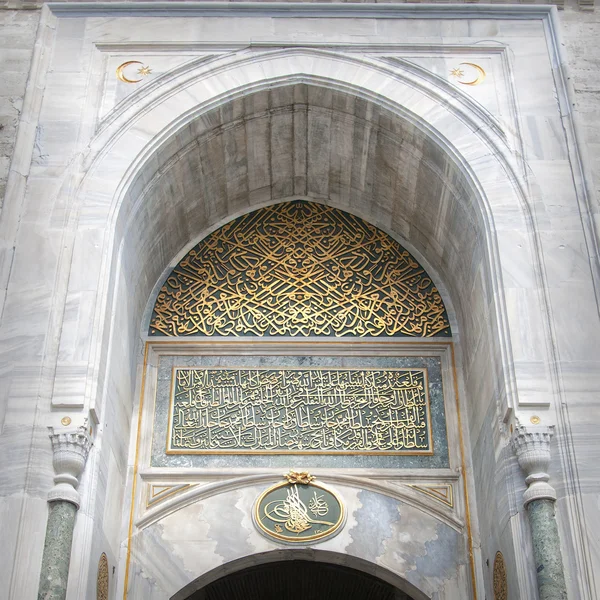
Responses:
[121,75]
[480,74]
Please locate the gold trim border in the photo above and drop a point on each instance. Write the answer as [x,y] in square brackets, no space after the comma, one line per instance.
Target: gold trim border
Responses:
[312,538]
[218,350]
[464,474]
[427,489]
[241,452]
[135,469]
[153,499]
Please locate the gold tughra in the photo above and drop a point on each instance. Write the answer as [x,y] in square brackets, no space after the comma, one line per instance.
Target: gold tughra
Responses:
[299,269]
[299,411]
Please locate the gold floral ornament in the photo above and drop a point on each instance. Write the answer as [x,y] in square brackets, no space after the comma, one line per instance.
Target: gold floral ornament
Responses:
[299,269]
[303,478]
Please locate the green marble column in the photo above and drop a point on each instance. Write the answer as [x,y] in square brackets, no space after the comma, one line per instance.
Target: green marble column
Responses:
[546,549]
[57,551]
[70,449]
[532,447]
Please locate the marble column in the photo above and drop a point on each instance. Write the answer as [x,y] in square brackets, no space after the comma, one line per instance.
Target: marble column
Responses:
[532,447]
[70,450]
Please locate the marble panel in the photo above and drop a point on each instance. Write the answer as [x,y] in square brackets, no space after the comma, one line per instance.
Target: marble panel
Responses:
[440,459]
[395,536]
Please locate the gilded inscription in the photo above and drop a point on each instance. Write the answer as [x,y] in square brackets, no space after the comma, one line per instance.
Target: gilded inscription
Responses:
[299,411]
[299,269]
[299,513]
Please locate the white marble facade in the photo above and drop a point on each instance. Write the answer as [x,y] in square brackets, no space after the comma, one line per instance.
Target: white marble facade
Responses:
[349,105]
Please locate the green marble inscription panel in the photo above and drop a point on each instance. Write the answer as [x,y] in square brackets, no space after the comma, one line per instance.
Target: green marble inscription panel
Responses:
[299,411]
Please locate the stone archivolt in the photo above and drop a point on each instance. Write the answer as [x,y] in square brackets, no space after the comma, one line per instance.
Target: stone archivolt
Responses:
[299,269]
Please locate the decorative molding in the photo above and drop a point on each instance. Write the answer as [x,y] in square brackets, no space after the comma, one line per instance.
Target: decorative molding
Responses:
[441,492]
[70,450]
[351,10]
[202,485]
[532,447]
[586,4]
[157,493]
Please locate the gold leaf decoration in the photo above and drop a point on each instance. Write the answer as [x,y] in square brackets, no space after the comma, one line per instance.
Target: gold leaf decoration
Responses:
[299,269]
[500,582]
[303,478]
[102,579]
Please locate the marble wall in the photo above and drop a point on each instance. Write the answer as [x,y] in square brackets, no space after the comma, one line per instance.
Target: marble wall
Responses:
[418,548]
[110,183]
[19,29]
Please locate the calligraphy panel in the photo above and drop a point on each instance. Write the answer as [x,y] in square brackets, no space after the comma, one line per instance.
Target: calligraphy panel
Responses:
[299,269]
[299,513]
[299,411]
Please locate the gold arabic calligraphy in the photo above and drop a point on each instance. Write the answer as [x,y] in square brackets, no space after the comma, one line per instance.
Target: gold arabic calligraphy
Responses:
[294,514]
[299,269]
[300,411]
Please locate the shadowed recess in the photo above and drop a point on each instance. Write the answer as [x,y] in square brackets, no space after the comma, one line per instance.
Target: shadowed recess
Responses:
[299,269]
[299,580]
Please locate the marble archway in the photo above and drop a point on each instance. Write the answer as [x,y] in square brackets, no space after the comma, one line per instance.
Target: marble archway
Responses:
[392,158]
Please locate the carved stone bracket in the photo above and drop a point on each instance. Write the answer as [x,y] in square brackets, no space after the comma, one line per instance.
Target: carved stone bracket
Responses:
[70,451]
[532,447]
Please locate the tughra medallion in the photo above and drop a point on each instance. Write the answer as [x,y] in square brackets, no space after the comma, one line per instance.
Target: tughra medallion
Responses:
[299,510]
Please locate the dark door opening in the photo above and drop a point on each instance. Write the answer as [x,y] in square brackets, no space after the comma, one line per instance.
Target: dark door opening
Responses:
[299,580]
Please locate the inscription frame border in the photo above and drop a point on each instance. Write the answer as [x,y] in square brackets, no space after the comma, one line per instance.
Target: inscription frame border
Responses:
[240,452]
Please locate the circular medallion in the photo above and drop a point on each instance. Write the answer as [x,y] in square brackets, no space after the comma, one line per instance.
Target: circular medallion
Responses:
[102,580]
[299,512]
[500,583]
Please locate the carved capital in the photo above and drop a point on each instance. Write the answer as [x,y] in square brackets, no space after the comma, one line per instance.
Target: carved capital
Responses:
[532,447]
[70,449]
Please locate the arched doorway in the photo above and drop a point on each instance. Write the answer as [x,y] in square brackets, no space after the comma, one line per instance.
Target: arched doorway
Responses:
[299,575]
[299,580]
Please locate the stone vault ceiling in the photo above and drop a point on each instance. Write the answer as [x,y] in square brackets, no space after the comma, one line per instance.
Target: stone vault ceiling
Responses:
[292,142]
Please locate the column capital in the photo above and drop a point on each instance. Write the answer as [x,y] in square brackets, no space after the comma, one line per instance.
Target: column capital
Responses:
[532,447]
[70,449]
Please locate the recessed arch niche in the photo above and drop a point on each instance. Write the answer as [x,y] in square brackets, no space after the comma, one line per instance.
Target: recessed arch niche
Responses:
[306,143]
